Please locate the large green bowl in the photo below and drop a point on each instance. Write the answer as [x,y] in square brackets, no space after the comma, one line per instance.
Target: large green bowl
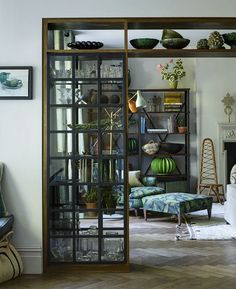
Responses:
[230,39]
[169,33]
[144,43]
[175,43]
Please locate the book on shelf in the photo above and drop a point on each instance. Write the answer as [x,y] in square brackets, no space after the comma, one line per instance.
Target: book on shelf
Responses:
[172,97]
[157,130]
[142,125]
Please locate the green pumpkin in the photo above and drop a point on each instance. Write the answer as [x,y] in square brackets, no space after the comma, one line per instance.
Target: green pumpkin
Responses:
[132,144]
[163,166]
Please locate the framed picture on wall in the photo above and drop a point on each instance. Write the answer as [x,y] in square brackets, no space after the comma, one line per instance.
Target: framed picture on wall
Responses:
[16,82]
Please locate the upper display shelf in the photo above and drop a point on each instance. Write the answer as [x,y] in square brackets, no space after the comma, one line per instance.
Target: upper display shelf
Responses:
[180,37]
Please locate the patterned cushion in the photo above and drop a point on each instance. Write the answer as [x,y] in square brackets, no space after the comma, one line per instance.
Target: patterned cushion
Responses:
[177,203]
[3,210]
[134,180]
[135,203]
[140,192]
[6,225]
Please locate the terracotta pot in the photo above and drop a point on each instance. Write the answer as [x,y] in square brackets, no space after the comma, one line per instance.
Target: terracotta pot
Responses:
[132,106]
[182,129]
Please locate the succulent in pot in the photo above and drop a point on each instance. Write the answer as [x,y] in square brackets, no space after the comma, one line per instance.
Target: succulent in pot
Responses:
[181,124]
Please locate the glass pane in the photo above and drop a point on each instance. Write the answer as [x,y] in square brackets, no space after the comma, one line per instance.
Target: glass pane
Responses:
[112,144]
[112,170]
[112,118]
[111,68]
[86,198]
[113,248]
[60,118]
[61,222]
[86,67]
[87,249]
[87,144]
[60,170]
[60,144]
[61,66]
[61,249]
[86,170]
[113,91]
[86,119]
[61,92]
[86,92]
[60,197]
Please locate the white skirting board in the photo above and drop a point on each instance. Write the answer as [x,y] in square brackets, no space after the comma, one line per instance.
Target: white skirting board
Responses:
[32,259]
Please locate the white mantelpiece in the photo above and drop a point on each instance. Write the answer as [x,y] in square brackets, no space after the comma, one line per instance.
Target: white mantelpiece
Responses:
[226,133]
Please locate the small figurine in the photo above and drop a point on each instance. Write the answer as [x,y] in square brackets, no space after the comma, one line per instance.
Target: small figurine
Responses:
[228,102]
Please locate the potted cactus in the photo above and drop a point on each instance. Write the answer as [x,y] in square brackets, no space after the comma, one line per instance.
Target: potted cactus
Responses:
[181,124]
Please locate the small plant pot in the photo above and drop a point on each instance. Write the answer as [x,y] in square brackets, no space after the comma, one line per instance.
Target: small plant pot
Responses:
[182,129]
[91,206]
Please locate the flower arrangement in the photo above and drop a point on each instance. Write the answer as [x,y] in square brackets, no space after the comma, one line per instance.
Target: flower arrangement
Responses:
[172,71]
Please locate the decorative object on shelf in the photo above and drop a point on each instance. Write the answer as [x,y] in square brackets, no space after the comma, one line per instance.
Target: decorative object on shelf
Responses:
[132,106]
[151,147]
[230,39]
[215,40]
[228,102]
[181,125]
[149,181]
[172,71]
[144,43]
[157,101]
[16,82]
[202,44]
[134,179]
[175,43]
[90,199]
[172,148]
[169,33]
[114,98]
[233,175]
[132,145]
[163,166]
[173,40]
[85,44]
[138,104]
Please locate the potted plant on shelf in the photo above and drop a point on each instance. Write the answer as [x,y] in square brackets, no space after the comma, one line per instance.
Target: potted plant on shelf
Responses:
[181,124]
[172,71]
[109,200]
[90,199]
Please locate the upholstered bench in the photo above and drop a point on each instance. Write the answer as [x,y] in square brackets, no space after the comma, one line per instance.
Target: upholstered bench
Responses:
[136,195]
[177,204]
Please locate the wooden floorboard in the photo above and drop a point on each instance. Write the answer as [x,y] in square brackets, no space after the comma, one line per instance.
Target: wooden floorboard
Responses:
[156,264]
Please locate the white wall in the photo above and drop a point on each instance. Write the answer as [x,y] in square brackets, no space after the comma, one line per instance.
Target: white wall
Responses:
[21,121]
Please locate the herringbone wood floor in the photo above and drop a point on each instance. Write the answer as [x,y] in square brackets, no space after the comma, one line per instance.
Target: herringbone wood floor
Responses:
[165,265]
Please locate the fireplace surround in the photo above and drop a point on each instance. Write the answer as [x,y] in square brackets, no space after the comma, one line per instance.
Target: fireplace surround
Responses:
[227,151]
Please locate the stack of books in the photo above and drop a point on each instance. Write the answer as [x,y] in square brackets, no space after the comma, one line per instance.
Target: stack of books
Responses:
[172,101]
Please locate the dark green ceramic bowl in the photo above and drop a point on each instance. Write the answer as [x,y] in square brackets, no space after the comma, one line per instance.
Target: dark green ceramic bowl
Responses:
[144,43]
[230,39]
[175,43]
[169,33]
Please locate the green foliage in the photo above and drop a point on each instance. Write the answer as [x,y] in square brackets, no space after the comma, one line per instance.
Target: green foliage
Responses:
[109,199]
[172,71]
[91,196]
[181,121]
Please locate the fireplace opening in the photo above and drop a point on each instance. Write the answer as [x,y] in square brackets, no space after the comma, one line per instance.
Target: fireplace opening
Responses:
[230,147]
